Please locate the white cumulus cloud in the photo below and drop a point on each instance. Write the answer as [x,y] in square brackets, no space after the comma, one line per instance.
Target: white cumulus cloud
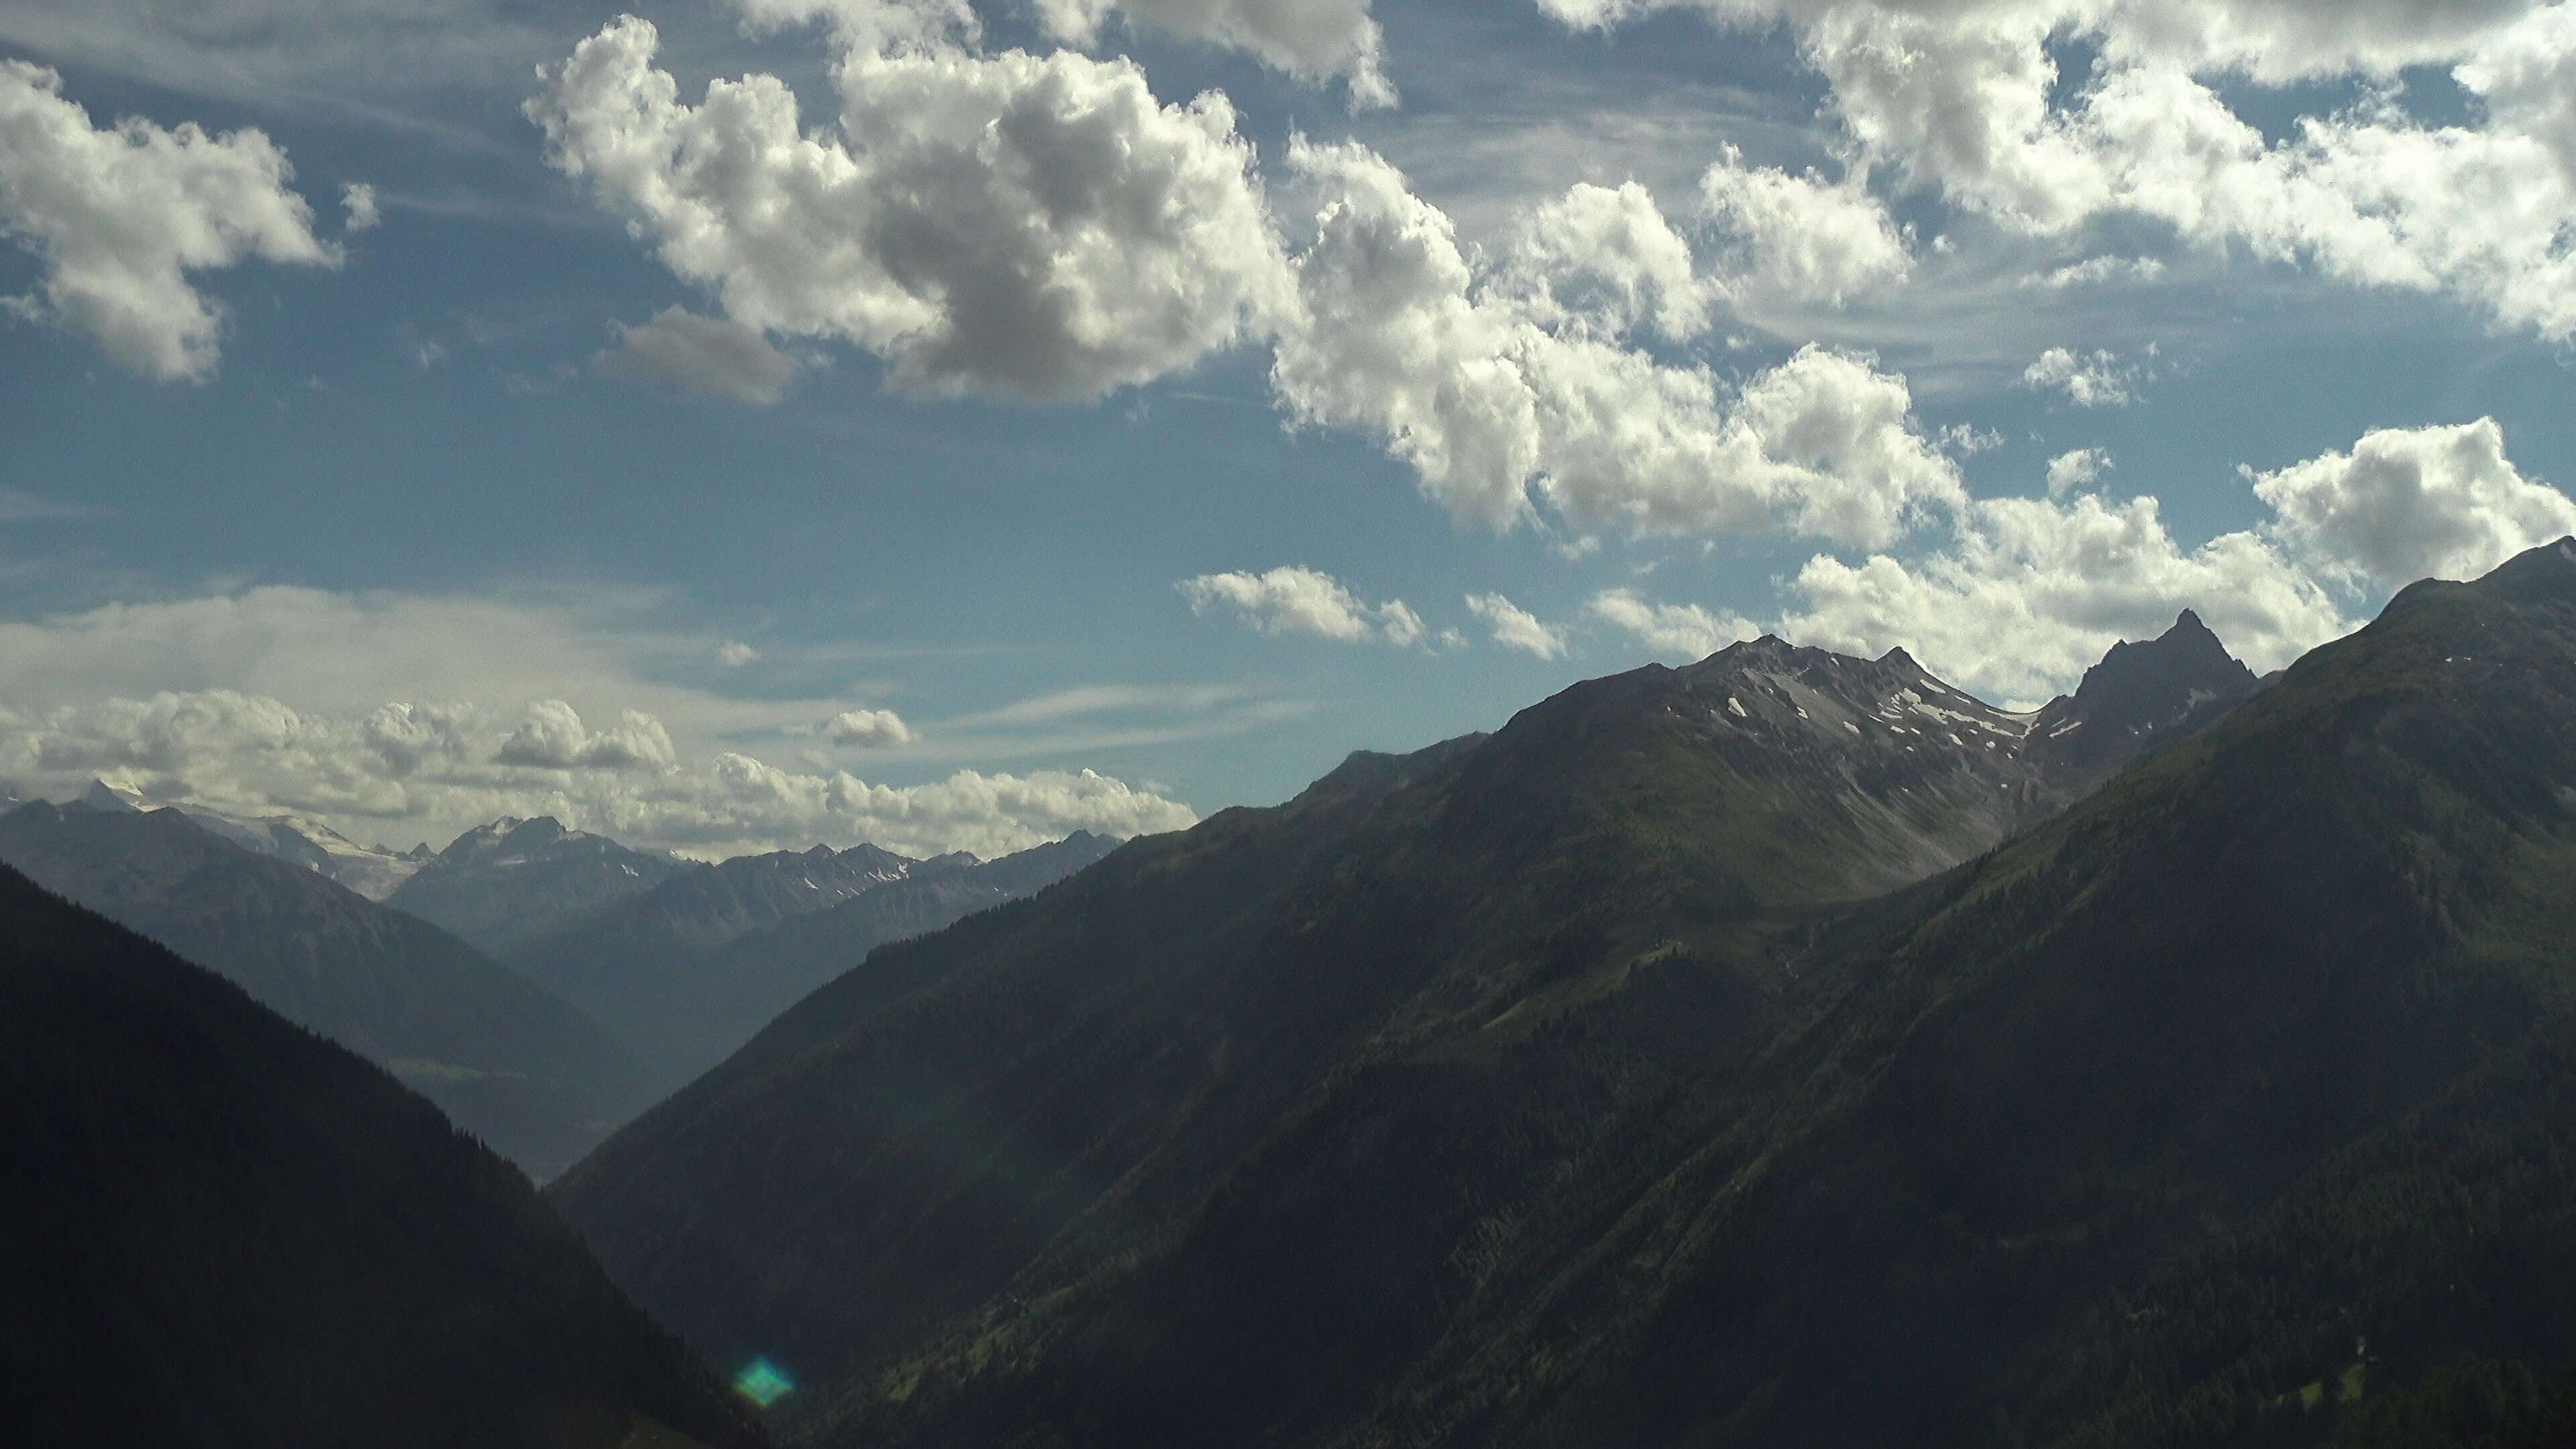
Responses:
[2099,380]
[1315,40]
[2405,504]
[1029,226]
[2028,592]
[1966,99]
[1039,226]
[429,771]
[1297,600]
[119,216]
[2032,591]
[397,718]
[551,735]
[358,207]
[1602,261]
[1500,407]
[1517,628]
[868,729]
[1681,632]
[1802,238]
[2077,468]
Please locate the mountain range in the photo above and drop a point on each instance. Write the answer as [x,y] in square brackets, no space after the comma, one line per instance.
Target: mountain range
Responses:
[681,961]
[687,971]
[225,1230]
[506,1058]
[503,884]
[372,871]
[1784,1050]
[1787,1049]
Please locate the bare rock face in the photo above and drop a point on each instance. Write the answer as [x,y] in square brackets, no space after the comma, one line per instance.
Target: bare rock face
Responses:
[509,882]
[2139,698]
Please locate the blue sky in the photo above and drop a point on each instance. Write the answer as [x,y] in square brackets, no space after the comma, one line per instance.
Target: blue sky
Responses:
[2000,385]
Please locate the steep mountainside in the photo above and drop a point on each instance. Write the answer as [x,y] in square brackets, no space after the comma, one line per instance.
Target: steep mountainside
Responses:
[506,883]
[1573,1085]
[507,1059]
[2163,1024]
[686,974]
[2142,697]
[1110,1059]
[226,1231]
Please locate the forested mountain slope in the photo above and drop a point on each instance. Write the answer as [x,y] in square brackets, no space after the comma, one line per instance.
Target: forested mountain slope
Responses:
[226,1231]
[507,1059]
[1464,964]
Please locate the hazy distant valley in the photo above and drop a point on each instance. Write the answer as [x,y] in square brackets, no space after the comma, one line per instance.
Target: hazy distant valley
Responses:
[617,985]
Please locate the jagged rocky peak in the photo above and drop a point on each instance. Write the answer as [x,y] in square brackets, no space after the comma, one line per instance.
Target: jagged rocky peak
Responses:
[103,796]
[511,833]
[2143,694]
[2187,652]
[1769,683]
[2167,672]
[510,880]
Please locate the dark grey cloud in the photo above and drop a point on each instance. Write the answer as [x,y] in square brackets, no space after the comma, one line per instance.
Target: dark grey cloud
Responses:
[679,348]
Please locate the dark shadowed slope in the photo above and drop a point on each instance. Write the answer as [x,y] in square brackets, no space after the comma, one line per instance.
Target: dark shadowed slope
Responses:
[225,1231]
[1053,1101]
[1562,1088]
[2155,1025]
[502,884]
[507,1059]
[2140,698]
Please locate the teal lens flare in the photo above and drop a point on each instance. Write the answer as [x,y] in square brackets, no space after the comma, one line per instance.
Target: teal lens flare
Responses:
[763,1383]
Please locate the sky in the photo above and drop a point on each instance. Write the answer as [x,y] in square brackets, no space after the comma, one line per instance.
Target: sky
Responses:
[756,423]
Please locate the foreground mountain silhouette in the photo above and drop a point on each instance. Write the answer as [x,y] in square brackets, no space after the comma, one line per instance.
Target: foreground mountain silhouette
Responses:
[1587,1083]
[225,1230]
[507,1059]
